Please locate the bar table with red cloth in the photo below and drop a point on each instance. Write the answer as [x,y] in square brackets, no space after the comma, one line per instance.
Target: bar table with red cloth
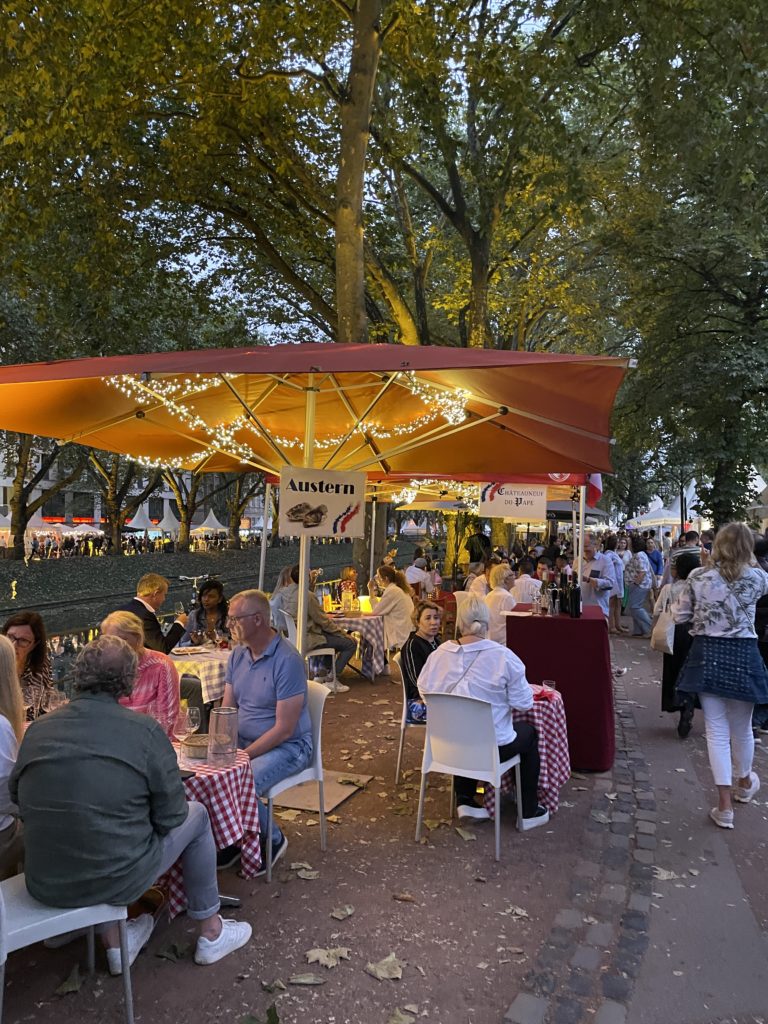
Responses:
[373,654]
[576,655]
[229,796]
[548,719]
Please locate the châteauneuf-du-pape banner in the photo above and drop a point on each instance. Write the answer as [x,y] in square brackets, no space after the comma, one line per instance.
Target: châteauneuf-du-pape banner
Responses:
[525,503]
[321,503]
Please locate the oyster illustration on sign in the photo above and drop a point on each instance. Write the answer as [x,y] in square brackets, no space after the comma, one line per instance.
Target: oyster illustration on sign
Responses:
[297,513]
[315,516]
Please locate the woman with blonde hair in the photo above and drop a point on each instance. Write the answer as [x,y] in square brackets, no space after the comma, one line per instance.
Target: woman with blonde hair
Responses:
[395,605]
[724,665]
[156,687]
[11,732]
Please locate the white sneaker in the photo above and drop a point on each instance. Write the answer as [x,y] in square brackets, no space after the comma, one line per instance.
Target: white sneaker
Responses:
[337,687]
[139,931]
[722,818]
[232,936]
[540,818]
[470,811]
[745,794]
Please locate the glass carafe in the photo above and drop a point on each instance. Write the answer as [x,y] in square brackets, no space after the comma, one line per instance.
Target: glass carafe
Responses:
[222,737]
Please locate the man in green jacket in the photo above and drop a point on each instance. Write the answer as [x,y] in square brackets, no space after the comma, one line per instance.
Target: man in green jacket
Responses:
[105,813]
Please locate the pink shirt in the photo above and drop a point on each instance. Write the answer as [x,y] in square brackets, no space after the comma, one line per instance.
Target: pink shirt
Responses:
[156,690]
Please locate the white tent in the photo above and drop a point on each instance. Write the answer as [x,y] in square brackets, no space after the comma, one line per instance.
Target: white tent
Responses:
[141,520]
[38,525]
[658,517]
[86,530]
[169,523]
[210,525]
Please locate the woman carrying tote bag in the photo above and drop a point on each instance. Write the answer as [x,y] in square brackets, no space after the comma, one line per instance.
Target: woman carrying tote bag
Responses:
[724,665]
[671,699]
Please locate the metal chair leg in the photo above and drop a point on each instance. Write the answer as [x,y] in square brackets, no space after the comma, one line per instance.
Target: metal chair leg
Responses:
[497,818]
[90,939]
[321,801]
[2,989]
[420,812]
[400,756]
[125,961]
[268,840]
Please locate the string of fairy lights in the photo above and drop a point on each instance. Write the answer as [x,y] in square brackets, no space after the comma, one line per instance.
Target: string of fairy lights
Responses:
[172,393]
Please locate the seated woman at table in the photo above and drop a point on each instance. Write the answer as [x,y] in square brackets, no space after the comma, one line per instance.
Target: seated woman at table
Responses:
[283,594]
[417,648]
[499,600]
[209,619]
[156,687]
[348,584]
[474,666]
[11,733]
[395,605]
[26,632]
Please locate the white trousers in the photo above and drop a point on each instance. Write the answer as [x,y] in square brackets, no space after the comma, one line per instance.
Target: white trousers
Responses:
[728,725]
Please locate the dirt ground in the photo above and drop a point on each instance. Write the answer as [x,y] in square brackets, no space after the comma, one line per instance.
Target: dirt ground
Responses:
[465,929]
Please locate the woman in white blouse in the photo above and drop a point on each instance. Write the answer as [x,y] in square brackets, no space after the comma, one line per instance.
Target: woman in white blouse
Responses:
[474,666]
[11,732]
[499,600]
[639,576]
[724,665]
[395,605]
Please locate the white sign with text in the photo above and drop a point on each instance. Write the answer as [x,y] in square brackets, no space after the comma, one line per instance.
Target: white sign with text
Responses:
[321,503]
[522,503]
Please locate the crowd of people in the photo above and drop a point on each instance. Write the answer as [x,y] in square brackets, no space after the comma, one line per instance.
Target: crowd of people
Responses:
[122,795]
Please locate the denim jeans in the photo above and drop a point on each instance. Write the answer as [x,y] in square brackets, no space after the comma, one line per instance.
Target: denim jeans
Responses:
[638,608]
[277,764]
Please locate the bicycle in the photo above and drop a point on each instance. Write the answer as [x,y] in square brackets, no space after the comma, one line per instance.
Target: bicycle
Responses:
[196,582]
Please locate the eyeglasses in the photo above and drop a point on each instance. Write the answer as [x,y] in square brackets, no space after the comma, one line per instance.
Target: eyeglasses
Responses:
[239,618]
[20,641]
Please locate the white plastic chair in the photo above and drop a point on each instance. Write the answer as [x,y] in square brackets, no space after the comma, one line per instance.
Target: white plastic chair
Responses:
[461,740]
[461,596]
[24,921]
[317,696]
[317,652]
[404,722]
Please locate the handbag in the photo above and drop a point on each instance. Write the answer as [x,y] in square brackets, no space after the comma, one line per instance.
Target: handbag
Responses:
[663,632]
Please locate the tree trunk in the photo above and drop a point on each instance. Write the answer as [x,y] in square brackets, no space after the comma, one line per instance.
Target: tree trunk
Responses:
[499,533]
[479,333]
[355,121]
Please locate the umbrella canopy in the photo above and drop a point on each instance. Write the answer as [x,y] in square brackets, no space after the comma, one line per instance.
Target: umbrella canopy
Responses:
[210,525]
[473,414]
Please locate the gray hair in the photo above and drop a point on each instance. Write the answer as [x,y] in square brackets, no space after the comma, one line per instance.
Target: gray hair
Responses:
[473,617]
[255,599]
[107,665]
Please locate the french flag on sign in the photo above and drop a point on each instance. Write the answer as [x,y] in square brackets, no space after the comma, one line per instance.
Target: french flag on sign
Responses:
[594,489]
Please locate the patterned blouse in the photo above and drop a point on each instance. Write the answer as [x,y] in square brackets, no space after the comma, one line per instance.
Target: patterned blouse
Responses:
[716,607]
[638,571]
[36,690]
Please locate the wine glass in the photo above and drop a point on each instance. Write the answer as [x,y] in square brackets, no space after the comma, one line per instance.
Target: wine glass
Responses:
[193,720]
[181,725]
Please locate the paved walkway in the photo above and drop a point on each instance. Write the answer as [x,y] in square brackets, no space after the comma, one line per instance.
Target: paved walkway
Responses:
[668,914]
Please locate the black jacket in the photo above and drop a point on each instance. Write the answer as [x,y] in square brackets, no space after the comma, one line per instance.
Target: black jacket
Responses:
[153,634]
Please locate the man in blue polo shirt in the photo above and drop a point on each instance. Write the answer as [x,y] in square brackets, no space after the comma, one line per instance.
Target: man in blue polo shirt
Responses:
[267,683]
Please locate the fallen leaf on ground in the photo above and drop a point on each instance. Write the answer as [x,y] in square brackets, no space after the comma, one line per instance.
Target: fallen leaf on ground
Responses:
[483,966]
[430,823]
[297,865]
[468,837]
[303,873]
[327,957]
[411,1008]
[353,700]
[398,1017]
[345,780]
[693,871]
[273,986]
[72,983]
[341,913]
[390,968]
[403,897]
[333,818]
[289,815]
[516,950]
[378,703]
[175,951]
[271,1018]
[480,878]
[369,725]
[663,875]
[305,979]
[311,821]
[600,816]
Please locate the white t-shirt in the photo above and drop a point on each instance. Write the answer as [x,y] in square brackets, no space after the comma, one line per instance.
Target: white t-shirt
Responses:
[499,600]
[525,589]
[415,574]
[9,749]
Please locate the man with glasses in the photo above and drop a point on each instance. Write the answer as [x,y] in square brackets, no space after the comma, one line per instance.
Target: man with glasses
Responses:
[266,681]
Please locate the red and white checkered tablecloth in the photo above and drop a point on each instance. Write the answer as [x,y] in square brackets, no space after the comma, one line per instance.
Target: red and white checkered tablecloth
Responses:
[548,719]
[372,650]
[229,796]
[210,669]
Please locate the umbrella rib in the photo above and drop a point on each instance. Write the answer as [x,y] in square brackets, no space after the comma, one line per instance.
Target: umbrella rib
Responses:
[264,467]
[358,422]
[428,438]
[254,418]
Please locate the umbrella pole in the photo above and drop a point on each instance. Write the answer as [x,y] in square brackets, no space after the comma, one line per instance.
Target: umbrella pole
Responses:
[305,541]
[582,518]
[372,566]
[263,551]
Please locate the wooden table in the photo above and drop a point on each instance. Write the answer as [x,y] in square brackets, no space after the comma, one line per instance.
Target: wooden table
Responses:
[575,653]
